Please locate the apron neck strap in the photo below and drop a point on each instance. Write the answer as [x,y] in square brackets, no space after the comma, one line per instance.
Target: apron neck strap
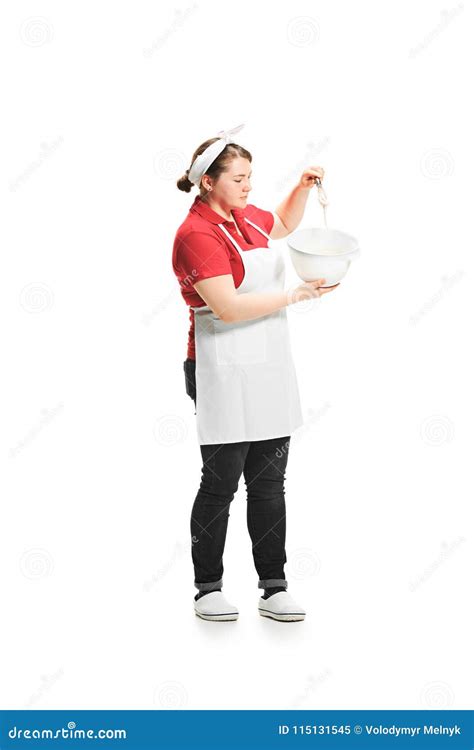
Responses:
[234,241]
[257,228]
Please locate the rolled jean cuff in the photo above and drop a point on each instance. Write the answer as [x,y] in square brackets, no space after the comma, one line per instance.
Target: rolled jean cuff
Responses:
[270,583]
[208,586]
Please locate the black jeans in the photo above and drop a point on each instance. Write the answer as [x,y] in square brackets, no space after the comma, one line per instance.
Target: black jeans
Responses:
[263,463]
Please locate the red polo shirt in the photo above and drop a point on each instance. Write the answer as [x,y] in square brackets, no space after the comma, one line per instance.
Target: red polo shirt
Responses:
[202,250]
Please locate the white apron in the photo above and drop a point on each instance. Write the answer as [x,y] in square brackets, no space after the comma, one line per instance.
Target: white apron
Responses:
[246,386]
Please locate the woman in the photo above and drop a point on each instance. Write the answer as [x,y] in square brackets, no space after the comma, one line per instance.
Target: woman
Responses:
[239,369]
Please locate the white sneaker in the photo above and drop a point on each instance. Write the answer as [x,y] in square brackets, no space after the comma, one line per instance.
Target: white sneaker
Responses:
[214,606]
[281,606]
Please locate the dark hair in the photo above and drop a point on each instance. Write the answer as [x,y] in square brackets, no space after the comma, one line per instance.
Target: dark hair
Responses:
[231,151]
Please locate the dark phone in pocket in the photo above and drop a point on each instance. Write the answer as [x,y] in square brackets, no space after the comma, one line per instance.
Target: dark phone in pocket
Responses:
[189,366]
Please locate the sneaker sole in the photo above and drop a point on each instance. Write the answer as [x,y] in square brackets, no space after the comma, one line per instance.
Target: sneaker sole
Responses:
[226,617]
[289,617]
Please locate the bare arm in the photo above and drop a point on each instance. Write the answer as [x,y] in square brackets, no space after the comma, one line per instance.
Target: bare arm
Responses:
[220,294]
[290,211]
[278,229]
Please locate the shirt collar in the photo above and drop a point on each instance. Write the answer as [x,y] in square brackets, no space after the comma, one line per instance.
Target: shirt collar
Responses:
[203,209]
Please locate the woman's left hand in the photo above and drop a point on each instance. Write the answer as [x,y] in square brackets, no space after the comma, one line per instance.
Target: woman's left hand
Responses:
[307,179]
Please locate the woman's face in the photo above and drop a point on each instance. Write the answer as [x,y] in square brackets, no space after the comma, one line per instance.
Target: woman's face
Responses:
[233,186]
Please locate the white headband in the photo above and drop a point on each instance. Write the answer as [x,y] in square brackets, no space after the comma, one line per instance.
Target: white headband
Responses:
[202,162]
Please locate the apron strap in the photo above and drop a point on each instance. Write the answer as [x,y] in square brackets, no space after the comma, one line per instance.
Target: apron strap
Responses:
[230,238]
[258,228]
[233,240]
[240,251]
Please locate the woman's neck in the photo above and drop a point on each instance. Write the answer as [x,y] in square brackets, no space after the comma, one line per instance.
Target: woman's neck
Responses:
[225,212]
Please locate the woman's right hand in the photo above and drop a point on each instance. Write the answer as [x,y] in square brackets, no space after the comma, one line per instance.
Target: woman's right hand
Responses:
[311,289]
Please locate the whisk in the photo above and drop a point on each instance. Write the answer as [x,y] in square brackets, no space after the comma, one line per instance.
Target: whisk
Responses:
[322,198]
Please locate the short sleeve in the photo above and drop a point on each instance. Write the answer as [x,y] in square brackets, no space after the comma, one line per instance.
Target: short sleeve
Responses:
[201,255]
[268,221]
[264,219]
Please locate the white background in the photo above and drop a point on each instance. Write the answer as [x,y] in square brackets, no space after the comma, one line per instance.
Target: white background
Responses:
[103,106]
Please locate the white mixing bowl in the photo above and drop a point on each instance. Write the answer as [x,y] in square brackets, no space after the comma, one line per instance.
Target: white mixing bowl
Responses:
[322,254]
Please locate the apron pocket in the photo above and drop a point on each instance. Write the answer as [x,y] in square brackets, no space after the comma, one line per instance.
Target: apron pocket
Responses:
[242,343]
